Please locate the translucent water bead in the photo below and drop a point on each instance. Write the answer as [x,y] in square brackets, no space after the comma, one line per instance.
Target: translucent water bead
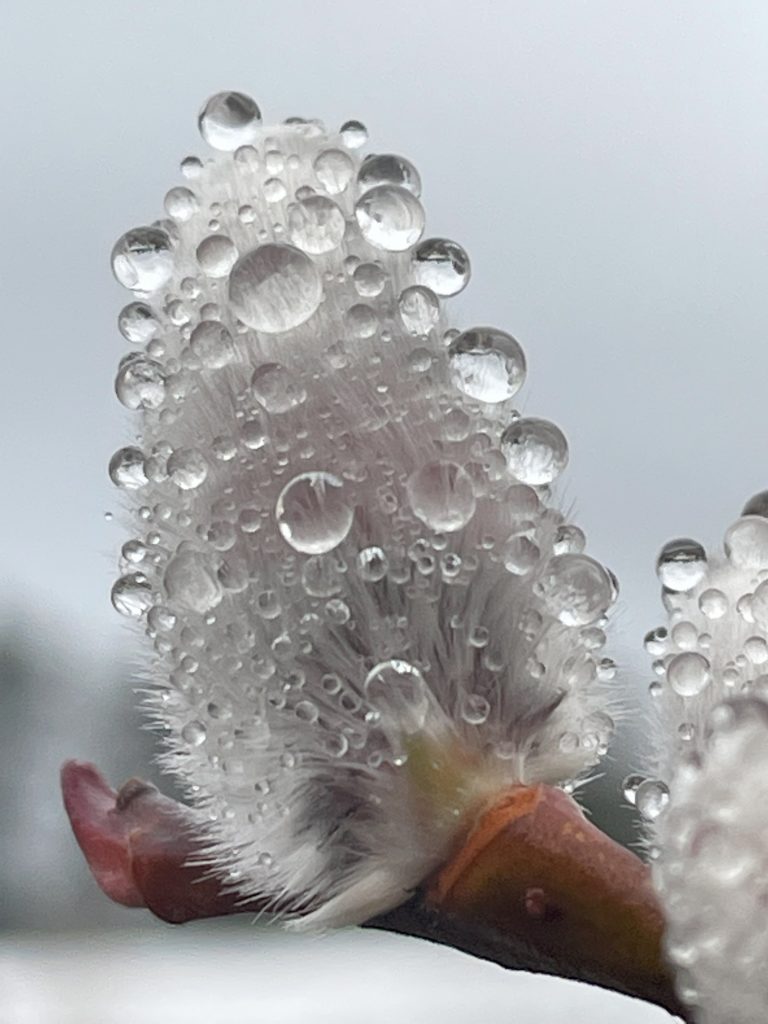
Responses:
[274,287]
[313,514]
[682,564]
[487,364]
[142,259]
[536,451]
[229,120]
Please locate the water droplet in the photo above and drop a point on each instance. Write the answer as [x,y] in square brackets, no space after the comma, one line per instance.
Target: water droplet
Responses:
[194,733]
[746,542]
[397,688]
[312,513]
[321,576]
[713,603]
[142,259]
[187,468]
[334,170]
[757,505]
[441,265]
[211,342]
[369,280]
[161,619]
[274,288]
[181,204]
[651,799]
[140,383]
[276,389]
[630,786]
[689,674]
[354,134]
[390,218]
[419,309]
[126,468]
[132,595]
[361,320]
[388,169]
[682,564]
[575,588]
[536,451]
[190,581]
[229,120]
[372,564]
[137,323]
[474,708]
[316,225]
[442,496]
[216,255]
[521,555]
[487,365]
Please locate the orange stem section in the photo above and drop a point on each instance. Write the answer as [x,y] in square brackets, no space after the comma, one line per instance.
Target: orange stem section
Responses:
[535,868]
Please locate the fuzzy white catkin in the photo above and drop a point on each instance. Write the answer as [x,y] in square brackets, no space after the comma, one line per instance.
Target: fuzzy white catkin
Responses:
[708,808]
[367,619]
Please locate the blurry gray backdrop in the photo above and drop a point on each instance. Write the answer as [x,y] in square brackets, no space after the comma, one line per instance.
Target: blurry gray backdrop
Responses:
[603,162]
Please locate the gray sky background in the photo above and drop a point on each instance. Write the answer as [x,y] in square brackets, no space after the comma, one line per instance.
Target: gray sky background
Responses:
[603,162]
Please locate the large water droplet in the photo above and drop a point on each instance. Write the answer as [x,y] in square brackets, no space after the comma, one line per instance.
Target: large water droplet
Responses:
[388,169]
[142,259]
[689,673]
[316,225]
[536,451]
[682,564]
[312,513]
[140,383]
[576,589]
[229,120]
[390,218]
[274,288]
[441,265]
[487,364]
[746,542]
[442,496]
[276,389]
[190,581]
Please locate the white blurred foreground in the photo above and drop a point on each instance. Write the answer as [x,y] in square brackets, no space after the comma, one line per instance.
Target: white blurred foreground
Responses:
[219,974]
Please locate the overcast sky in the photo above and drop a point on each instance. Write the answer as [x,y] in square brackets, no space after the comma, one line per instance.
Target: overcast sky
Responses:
[603,162]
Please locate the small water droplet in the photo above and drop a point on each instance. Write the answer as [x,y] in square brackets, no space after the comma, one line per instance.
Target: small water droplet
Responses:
[441,265]
[536,451]
[312,513]
[142,259]
[334,170]
[132,595]
[575,588]
[388,169]
[689,674]
[276,389]
[390,218]
[486,364]
[187,468]
[137,323]
[140,383]
[216,255]
[126,468]
[442,496]
[316,225]
[419,309]
[229,120]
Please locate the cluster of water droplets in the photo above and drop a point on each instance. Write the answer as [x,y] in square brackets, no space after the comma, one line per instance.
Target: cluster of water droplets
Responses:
[707,804]
[344,553]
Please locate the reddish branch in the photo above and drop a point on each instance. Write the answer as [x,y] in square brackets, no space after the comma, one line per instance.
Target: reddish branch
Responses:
[535,886]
